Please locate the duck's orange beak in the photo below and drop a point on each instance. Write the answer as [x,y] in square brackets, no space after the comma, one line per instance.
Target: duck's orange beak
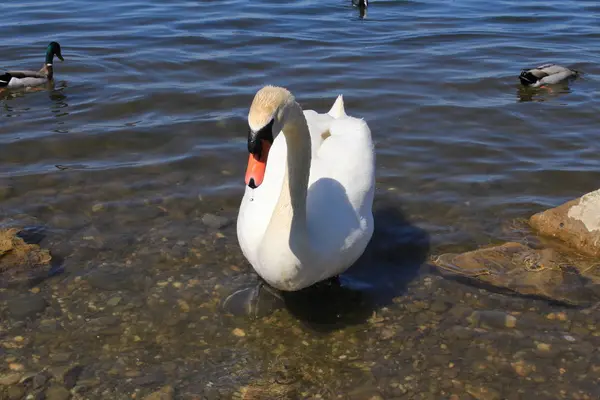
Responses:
[257,165]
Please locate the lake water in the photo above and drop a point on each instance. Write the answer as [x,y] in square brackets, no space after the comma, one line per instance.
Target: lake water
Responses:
[147,121]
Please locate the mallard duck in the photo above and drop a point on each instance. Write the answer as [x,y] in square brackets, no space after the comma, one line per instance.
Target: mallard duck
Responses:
[362,6]
[547,74]
[25,79]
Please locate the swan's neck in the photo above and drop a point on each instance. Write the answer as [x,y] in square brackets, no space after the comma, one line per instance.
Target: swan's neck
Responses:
[289,215]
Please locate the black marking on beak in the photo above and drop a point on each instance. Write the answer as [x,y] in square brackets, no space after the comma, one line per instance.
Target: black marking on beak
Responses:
[255,138]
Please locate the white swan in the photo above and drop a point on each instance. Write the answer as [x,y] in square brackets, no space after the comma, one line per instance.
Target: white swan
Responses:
[306,215]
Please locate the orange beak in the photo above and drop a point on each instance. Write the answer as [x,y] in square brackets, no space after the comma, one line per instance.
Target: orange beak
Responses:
[257,165]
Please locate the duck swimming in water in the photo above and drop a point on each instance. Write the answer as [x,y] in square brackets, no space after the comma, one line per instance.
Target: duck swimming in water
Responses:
[547,74]
[362,6]
[26,79]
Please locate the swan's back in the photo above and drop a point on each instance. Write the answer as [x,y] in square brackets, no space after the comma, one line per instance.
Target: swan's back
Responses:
[341,191]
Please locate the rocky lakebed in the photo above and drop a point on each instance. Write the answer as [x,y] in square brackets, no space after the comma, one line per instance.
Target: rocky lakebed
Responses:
[137,313]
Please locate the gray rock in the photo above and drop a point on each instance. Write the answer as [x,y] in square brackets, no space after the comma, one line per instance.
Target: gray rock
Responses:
[215,221]
[27,306]
[108,279]
[39,380]
[15,392]
[114,301]
[165,393]
[576,222]
[67,375]
[492,319]
[56,392]
[10,379]
[149,379]
[439,306]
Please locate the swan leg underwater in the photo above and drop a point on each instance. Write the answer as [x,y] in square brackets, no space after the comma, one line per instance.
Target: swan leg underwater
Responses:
[306,214]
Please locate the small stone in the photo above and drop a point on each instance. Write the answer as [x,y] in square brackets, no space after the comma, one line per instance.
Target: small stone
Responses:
[113,301]
[16,367]
[97,207]
[214,221]
[165,393]
[26,306]
[579,330]
[39,380]
[492,319]
[522,368]
[543,346]
[388,333]
[56,392]
[67,375]
[85,384]
[36,395]
[483,393]
[183,305]
[569,338]
[15,392]
[60,357]
[35,290]
[239,332]
[561,316]
[439,306]
[109,279]
[149,379]
[10,379]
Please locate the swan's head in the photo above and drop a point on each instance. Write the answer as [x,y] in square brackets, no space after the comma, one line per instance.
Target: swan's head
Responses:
[265,119]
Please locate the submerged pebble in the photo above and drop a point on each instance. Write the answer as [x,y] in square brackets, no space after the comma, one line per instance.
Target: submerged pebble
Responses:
[492,319]
[215,221]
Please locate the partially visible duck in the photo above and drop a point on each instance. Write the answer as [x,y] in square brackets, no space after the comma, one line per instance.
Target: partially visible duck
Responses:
[547,74]
[25,79]
[362,6]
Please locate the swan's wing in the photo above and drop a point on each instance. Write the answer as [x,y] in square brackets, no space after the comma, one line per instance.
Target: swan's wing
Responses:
[340,194]
[318,126]
[348,156]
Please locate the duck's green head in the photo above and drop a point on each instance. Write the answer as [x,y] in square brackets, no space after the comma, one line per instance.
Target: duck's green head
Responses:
[53,50]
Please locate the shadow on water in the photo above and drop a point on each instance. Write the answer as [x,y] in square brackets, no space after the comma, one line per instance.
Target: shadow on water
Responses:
[390,262]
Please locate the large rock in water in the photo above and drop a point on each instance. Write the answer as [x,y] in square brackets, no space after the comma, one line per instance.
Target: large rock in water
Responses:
[544,273]
[576,222]
[21,262]
[553,271]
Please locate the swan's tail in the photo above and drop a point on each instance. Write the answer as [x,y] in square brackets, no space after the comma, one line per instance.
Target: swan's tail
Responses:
[337,110]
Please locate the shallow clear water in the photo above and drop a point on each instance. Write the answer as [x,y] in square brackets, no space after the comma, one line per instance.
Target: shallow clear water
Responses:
[148,123]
